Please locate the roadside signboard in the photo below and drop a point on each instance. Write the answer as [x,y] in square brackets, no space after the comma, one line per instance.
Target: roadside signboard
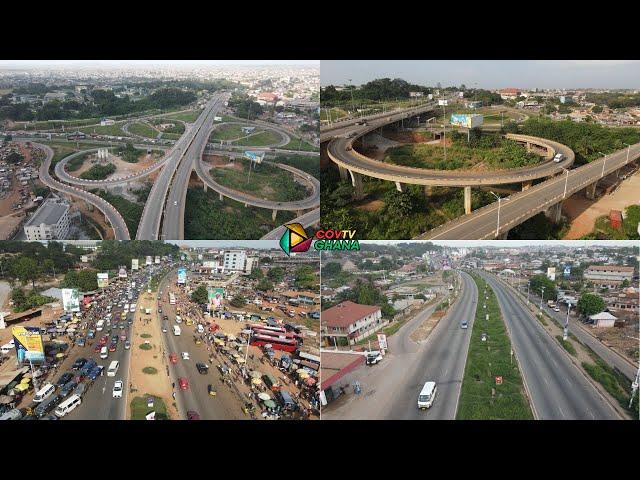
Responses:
[103,280]
[149,260]
[382,341]
[182,276]
[499,380]
[70,300]
[443,103]
[134,264]
[29,346]
[122,272]
[157,260]
[216,295]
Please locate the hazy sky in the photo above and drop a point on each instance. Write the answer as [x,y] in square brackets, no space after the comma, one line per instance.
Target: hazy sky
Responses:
[149,63]
[489,74]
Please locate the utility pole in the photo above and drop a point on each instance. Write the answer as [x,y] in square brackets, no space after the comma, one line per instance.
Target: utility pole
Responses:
[541,298]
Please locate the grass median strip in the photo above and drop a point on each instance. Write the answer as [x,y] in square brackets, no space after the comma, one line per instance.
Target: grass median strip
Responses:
[140,408]
[480,397]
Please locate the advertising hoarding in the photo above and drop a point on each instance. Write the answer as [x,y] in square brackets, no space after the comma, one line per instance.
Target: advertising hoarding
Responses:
[149,260]
[209,264]
[84,258]
[567,271]
[467,121]
[199,256]
[103,280]
[29,346]
[382,341]
[182,275]
[216,295]
[157,260]
[443,103]
[551,273]
[70,300]
[134,264]
[122,272]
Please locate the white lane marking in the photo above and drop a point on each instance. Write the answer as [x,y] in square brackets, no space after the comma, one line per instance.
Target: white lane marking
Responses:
[561,412]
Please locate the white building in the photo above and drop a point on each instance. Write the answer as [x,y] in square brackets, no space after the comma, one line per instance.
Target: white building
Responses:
[235,261]
[51,221]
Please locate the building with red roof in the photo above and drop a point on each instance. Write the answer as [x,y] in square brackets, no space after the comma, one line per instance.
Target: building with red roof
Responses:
[348,322]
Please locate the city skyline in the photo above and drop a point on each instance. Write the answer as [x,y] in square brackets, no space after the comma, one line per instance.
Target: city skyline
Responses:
[489,74]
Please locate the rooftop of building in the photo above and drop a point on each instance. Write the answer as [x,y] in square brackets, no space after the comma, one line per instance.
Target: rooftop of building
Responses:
[48,213]
[346,313]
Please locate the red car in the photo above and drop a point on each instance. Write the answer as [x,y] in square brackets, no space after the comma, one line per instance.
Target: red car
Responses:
[113,347]
[184,383]
[104,339]
[173,358]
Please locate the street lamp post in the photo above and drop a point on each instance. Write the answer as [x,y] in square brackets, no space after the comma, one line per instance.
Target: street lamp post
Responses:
[628,150]
[352,104]
[565,333]
[603,164]
[541,298]
[498,223]
[566,181]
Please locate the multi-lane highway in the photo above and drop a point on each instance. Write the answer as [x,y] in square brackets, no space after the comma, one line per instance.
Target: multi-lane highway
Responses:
[121,232]
[224,406]
[176,198]
[390,389]
[557,388]
[150,222]
[521,206]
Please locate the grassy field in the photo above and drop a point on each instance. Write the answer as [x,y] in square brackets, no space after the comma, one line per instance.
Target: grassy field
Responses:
[188,116]
[296,143]
[485,361]
[311,165]
[260,139]
[265,181]
[113,130]
[76,162]
[143,130]
[139,409]
[336,113]
[207,218]
[227,132]
[460,155]
[98,172]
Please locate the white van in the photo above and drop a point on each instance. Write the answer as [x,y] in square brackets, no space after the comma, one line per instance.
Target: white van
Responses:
[427,395]
[68,405]
[113,368]
[14,414]
[104,352]
[558,158]
[99,325]
[44,392]
[176,330]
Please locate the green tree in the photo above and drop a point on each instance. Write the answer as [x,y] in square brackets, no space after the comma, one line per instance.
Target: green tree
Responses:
[305,277]
[256,274]
[590,304]
[276,274]
[537,282]
[331,269]
[49,266]
[200,295]
[264,285]
[238,300]
[27,270]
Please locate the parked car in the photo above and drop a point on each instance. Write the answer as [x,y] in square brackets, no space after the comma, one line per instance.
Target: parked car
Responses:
[117,389]
[78,364]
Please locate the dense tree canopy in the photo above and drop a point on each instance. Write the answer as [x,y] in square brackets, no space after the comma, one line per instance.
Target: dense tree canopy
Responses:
[590,304]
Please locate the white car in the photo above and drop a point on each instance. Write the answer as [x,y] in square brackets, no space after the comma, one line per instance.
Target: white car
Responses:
[117,389]
[185,355]
[556,309]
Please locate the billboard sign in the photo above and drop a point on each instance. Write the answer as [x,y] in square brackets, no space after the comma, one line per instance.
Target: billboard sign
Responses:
[29,346]
[103,280]
[182,275]
[443,103]
[70,300]
[567,271]
[149,260]
[199,257]
[122,272]
[157,260]
[551,273]
[256,157]
[216,295]
[209,264]
[84,258]
[134,264]
[467,121]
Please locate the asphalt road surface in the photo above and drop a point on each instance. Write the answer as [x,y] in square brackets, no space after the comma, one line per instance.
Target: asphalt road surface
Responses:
[517,208]
[610,357]
[390,389]
[558,389]
[224,406]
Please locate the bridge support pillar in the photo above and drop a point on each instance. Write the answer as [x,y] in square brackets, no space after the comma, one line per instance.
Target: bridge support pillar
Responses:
[205,186]
[356,181]
[221,197]
[528,146]
[467,200]
[344,173]
[246,205]
[554,212]
[399,187]
[273,215]
[503,236]
[590,191]
[526,185]
[299,213]
[428,190]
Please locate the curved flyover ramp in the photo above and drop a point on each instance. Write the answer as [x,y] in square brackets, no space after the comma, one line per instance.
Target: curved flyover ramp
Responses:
[312,201]
[341,152]
[306,220]
[120,230]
